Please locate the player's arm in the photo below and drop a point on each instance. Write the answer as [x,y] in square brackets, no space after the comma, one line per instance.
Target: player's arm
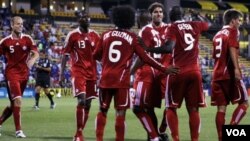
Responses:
[64,60]
[97,54]
[47,68]
[33,57]
[137,63]
[149,60]
[167,47]
[234,57]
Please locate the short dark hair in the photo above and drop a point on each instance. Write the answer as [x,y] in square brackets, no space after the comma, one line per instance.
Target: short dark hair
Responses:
[154,5]
[176,13]
[143,17]
[231,14]
[123,16]
[80,13]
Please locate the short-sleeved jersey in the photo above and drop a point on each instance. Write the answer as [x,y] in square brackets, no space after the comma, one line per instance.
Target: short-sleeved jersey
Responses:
[80,47]
[224,39]
[17,53]
[151,38]
[115,50]
[186,36]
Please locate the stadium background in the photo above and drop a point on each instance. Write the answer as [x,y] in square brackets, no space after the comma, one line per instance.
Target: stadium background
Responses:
[49,21]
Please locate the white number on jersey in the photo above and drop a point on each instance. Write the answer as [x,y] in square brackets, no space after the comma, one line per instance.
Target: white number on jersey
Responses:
[114,54]
[157,42]
[12,49]
[218,47]
[189,40]
[81,44]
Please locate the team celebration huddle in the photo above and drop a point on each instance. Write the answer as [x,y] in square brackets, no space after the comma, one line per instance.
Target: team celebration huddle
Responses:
[155,68]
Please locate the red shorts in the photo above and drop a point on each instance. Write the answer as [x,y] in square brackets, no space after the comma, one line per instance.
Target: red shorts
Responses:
[162,78]
[186,86]
[226,91]
[80,86]
[147,94]
[16,88]
[121,98]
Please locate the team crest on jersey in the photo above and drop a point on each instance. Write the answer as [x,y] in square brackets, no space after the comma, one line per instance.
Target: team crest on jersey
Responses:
[24,48]
[163,37]
[92,43]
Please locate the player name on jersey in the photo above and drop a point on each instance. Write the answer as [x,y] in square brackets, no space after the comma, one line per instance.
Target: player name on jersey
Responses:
[120,34]
[184,26]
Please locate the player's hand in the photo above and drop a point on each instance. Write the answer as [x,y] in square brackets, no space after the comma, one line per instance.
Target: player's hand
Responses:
[172,70]
[237,74]
[141,43]
[193,12]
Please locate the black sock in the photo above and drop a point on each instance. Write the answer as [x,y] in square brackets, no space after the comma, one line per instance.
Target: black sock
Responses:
[37,97]
[50,98]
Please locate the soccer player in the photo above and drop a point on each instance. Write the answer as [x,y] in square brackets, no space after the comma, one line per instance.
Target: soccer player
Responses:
[21,53]
[43,69]
[115,50]
[182,37]
[150,83]
[227,83]
[79,45]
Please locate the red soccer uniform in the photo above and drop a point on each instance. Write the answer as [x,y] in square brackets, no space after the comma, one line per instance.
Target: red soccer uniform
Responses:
[147,92]
[17,52]
[188,83]
[223,65]
[224,86]
[115,50]
[80,47]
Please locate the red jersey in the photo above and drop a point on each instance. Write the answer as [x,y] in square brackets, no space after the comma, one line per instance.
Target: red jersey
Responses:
[186,36]
[224,39]
[151,38]
[115,50]
[17,53]
[80,47]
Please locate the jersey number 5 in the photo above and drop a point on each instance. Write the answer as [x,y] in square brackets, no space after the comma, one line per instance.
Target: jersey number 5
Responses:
[189,40]
[114,54]
[12,49]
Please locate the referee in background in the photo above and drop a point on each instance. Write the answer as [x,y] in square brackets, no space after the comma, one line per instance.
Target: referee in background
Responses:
[43,68]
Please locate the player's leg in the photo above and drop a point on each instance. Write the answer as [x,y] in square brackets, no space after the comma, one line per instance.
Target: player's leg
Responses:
[46,86]
[194,99]
[122,103]
[79,91]
[218,99]
[173,123]
[17,89]
[105,97]
[37,96]
[141,108]
[7,112]
[243,104]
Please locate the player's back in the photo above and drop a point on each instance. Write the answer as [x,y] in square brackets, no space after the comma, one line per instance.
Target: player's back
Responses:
[186,35]
[222,41]
[117,51]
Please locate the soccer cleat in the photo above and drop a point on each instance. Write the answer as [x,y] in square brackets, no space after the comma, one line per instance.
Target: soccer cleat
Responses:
[164,137]
[36,107]
[20,134]
[155,139]
[53,106]
[78,138]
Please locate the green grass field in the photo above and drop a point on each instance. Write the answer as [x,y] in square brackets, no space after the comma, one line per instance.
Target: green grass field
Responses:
[59,124]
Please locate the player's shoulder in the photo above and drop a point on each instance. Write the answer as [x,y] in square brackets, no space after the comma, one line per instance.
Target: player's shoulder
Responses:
[92,31]
[5,39]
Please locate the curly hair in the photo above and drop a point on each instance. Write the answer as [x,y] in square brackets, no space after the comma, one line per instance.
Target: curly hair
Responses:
[143,18]
[154,5]
[123,16]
